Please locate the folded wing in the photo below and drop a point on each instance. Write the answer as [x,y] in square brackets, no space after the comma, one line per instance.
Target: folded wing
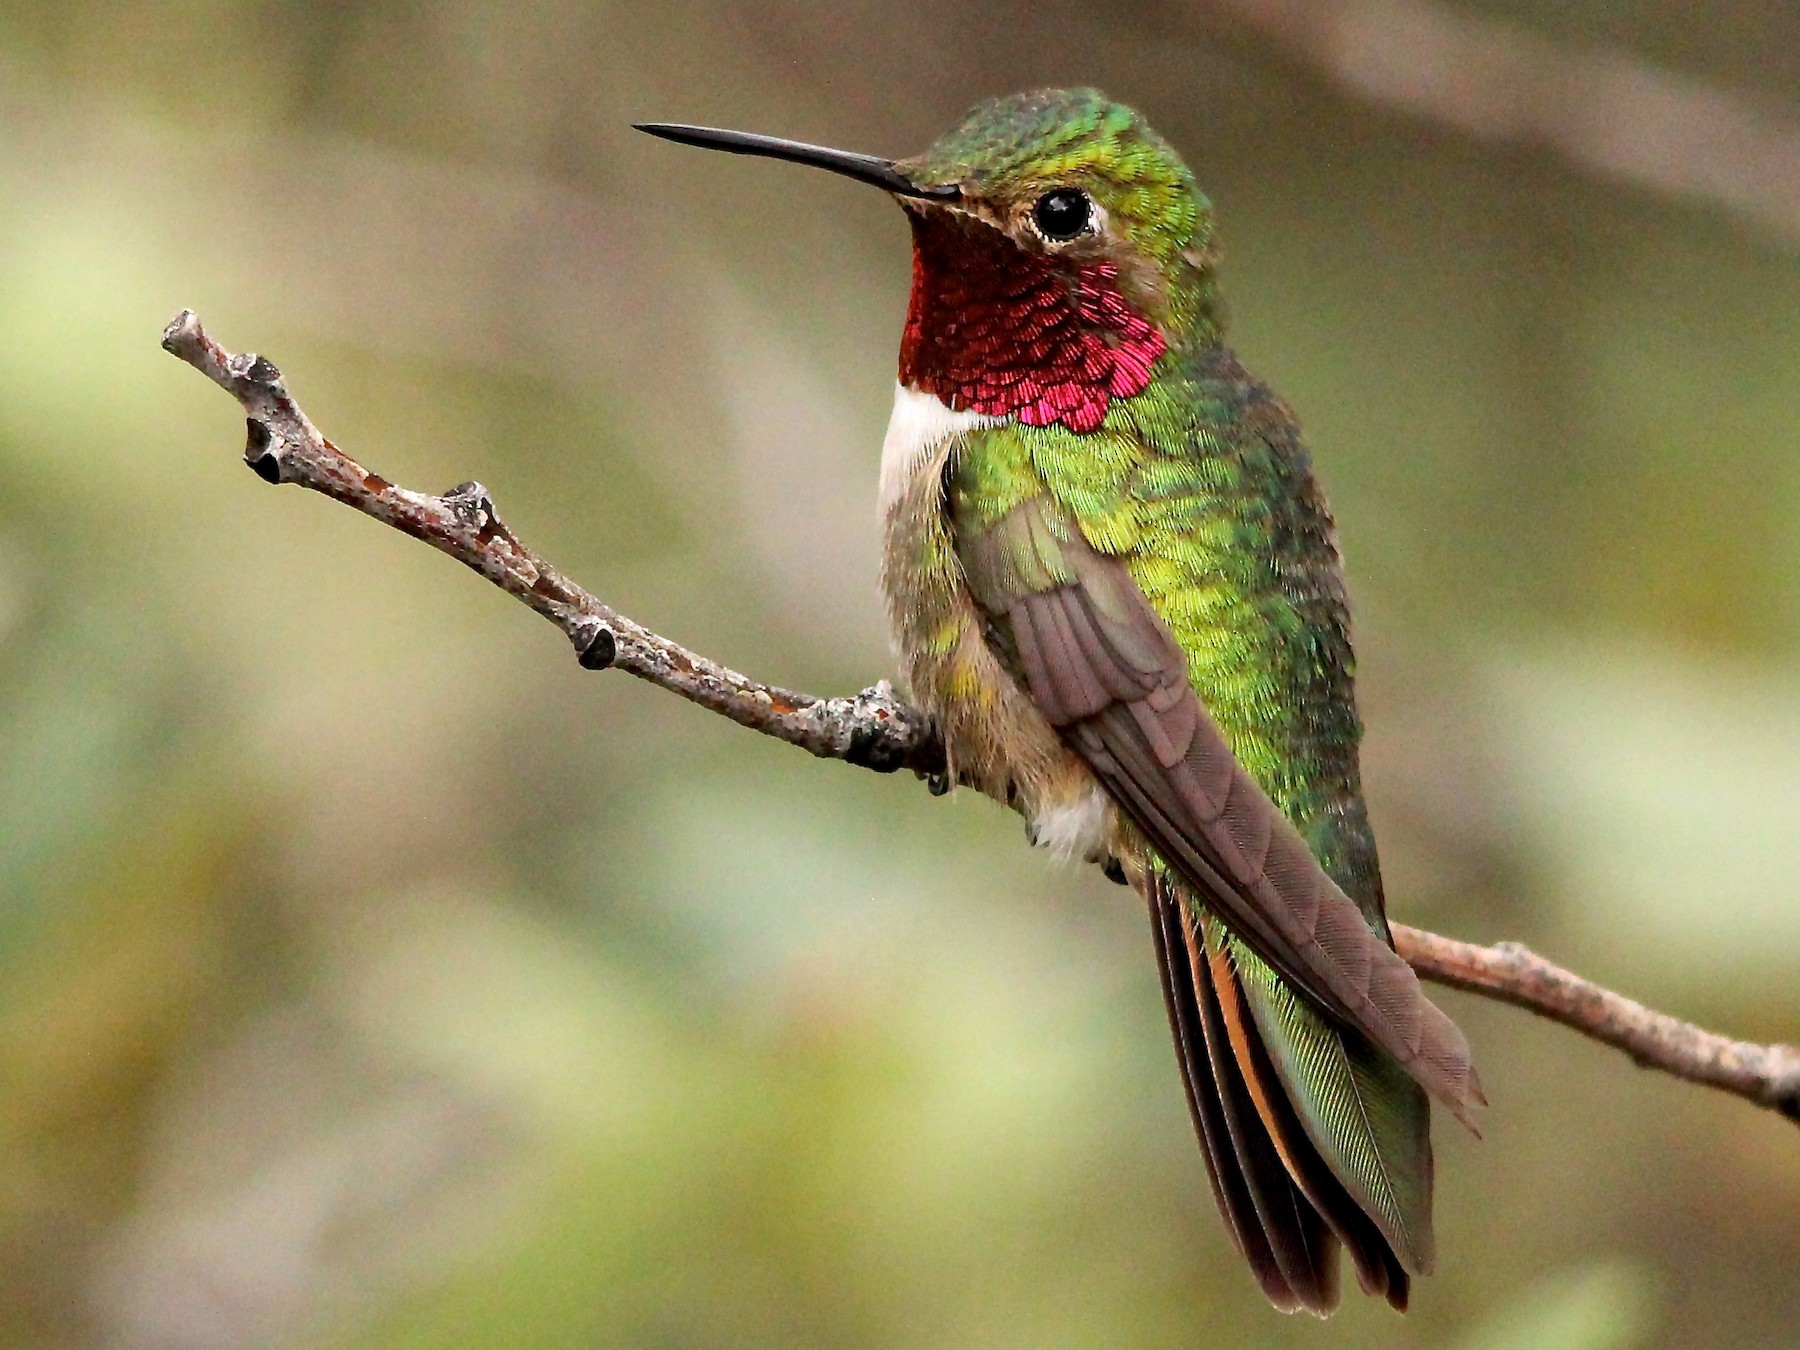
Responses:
[1105,670]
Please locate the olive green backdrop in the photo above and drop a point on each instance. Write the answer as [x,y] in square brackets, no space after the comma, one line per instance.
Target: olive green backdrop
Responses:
[372,976]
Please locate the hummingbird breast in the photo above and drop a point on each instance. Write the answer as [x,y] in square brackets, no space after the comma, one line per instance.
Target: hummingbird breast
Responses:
[995,738]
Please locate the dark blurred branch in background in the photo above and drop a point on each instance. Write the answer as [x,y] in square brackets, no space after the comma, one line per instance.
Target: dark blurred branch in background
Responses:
[876,730]
[1603,108]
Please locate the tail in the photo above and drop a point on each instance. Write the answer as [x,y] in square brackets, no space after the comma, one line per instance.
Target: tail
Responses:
[1313,1140]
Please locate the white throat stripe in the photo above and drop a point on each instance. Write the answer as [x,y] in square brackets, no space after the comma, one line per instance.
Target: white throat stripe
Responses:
[920,423]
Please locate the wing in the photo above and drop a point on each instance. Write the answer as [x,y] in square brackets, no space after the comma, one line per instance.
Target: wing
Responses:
[1104,669]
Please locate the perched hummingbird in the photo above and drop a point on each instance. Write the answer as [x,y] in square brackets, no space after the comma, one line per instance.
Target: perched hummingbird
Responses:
[1115,586]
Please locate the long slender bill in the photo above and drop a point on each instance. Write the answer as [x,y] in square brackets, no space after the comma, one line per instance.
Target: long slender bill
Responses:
[863,168]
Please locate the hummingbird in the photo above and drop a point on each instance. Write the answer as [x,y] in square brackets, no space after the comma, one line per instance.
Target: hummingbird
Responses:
[1114,585]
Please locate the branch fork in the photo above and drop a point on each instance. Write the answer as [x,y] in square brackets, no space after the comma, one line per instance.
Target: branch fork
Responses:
[877,730]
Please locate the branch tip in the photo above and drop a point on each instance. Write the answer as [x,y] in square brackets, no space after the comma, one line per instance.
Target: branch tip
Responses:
[181,331]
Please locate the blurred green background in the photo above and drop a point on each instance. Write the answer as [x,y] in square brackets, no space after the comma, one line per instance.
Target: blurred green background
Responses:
[372,976]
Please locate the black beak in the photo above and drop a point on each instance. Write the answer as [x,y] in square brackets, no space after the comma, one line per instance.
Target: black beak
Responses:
[863,168]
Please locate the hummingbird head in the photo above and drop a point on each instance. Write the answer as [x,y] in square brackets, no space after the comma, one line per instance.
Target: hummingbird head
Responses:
[1060,248]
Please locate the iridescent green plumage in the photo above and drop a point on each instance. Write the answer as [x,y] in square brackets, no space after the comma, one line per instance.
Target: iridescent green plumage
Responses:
[1201,485]
[1014,148]
[1114,583]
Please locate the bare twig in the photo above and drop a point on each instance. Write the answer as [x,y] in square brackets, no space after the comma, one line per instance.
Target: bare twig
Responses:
[1602,108]
[877,730]
[1768,1075]
[873,729]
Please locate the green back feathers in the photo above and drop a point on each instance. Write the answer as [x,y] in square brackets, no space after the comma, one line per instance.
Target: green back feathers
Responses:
[1221,526]
[1202,486]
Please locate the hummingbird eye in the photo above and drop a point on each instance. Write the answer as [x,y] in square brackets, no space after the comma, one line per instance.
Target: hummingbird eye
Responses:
[1062,214]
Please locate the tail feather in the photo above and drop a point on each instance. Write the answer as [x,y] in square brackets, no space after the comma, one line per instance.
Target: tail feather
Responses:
[1285,1208]
[1378,1269]
[1230,1190]
[1304,1248]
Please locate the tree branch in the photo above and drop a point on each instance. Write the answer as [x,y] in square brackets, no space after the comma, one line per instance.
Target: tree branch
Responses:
[1768,1075]
[877,730]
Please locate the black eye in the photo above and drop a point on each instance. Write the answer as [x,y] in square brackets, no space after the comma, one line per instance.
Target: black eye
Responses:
[1063,214]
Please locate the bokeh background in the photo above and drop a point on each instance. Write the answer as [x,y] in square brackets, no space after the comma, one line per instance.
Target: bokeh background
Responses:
[372,976]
